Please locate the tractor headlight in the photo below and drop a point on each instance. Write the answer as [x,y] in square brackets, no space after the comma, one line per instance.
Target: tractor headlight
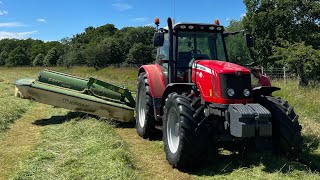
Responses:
[230,92]
[246,92]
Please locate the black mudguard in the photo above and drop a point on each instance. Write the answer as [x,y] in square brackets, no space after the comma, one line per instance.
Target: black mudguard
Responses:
[264,90]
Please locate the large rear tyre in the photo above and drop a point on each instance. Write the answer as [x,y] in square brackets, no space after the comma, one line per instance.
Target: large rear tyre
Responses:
[286,130]
[145,121]
[186,147]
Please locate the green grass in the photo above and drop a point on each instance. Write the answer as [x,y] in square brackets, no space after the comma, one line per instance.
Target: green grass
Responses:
[11,108]
[80,148]
[305,100]
[73,147]
[69,146]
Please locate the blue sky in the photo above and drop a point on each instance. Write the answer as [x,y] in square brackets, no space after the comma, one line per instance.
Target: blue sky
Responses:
[53,20]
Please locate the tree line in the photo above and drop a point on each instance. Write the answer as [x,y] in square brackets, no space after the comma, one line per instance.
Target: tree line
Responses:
[286,33]
[95,47]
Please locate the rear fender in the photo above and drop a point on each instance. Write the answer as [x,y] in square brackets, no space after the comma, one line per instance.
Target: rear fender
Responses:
[174,87]
[264,90]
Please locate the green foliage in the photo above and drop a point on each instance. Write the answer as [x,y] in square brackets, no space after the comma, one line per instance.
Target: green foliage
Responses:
[51,58]
[304,60]
[140,54]
[107,52]
[17,57]
[38,60]
[273,21]
[236,44]
[3,57]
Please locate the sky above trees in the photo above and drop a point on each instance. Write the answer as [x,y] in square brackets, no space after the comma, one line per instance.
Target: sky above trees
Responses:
[53,20]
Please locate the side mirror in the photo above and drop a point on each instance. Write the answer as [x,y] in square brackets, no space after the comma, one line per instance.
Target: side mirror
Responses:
[249,40]
[158,39]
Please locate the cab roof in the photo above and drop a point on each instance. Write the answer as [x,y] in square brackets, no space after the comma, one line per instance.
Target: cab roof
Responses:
[177,25]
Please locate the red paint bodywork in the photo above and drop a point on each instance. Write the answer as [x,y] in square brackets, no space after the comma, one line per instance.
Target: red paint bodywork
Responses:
[155,79]
[208,78]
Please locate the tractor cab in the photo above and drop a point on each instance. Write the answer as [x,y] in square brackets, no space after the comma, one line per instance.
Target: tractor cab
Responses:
[191,42]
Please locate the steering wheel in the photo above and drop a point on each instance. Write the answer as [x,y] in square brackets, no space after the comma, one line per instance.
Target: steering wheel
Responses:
[197,50]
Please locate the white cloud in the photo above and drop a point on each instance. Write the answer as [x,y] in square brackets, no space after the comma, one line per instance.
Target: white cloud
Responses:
[16,35]
[11,24]
[3,12]
[140,19]
[228,19]
[121,6]
[150,24]
[41,20]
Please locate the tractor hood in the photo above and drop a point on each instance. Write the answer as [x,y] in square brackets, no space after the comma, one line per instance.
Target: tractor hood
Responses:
[221,67]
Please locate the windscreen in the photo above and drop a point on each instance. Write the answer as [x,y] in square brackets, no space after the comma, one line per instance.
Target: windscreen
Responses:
[200,45]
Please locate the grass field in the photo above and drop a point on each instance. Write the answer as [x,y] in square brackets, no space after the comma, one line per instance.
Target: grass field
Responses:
[52,143]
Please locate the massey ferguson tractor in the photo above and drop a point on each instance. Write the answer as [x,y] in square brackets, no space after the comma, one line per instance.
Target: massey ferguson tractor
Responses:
[203,102]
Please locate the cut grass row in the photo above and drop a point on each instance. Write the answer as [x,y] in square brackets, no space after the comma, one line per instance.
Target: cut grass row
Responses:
[11,108]
[227,166]
[69,147]
[75,147]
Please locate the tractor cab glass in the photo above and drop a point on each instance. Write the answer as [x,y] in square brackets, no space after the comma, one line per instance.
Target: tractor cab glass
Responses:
[198,46]
[239,49]
[163,52]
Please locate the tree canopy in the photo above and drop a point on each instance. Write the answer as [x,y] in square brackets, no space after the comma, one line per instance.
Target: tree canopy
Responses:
[286,33]
[97,47]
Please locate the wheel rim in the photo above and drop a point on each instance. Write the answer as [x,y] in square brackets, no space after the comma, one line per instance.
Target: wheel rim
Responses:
[142,107]
[173,130]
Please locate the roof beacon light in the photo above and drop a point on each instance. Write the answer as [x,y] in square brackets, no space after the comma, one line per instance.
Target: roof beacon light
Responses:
[216,22]
[157,21]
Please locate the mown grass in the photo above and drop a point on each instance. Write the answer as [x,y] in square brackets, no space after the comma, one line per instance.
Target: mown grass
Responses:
[64,153]
[78,148]
[69,146]
[11,108]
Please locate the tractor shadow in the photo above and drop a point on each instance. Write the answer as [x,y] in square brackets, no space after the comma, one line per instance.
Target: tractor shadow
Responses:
[53,120]
[227,162]
[156,134]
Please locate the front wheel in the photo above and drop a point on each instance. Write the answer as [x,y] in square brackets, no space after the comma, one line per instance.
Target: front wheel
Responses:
[286,130]
[186,147]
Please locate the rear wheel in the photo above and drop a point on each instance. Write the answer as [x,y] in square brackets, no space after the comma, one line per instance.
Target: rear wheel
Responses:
[186,146]
[286,130]
[145,121]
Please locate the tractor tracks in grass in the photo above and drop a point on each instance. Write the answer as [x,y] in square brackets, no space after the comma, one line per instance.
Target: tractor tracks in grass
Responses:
[18,141]
[149,156]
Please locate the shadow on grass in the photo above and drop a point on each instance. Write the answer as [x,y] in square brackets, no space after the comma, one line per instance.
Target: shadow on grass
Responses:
[59,119]
[156,133]
[308,161]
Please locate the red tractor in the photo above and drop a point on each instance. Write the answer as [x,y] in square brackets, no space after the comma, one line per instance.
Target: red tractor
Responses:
[203,102]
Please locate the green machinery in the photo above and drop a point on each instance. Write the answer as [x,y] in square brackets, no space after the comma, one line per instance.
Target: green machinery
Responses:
[91,95]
